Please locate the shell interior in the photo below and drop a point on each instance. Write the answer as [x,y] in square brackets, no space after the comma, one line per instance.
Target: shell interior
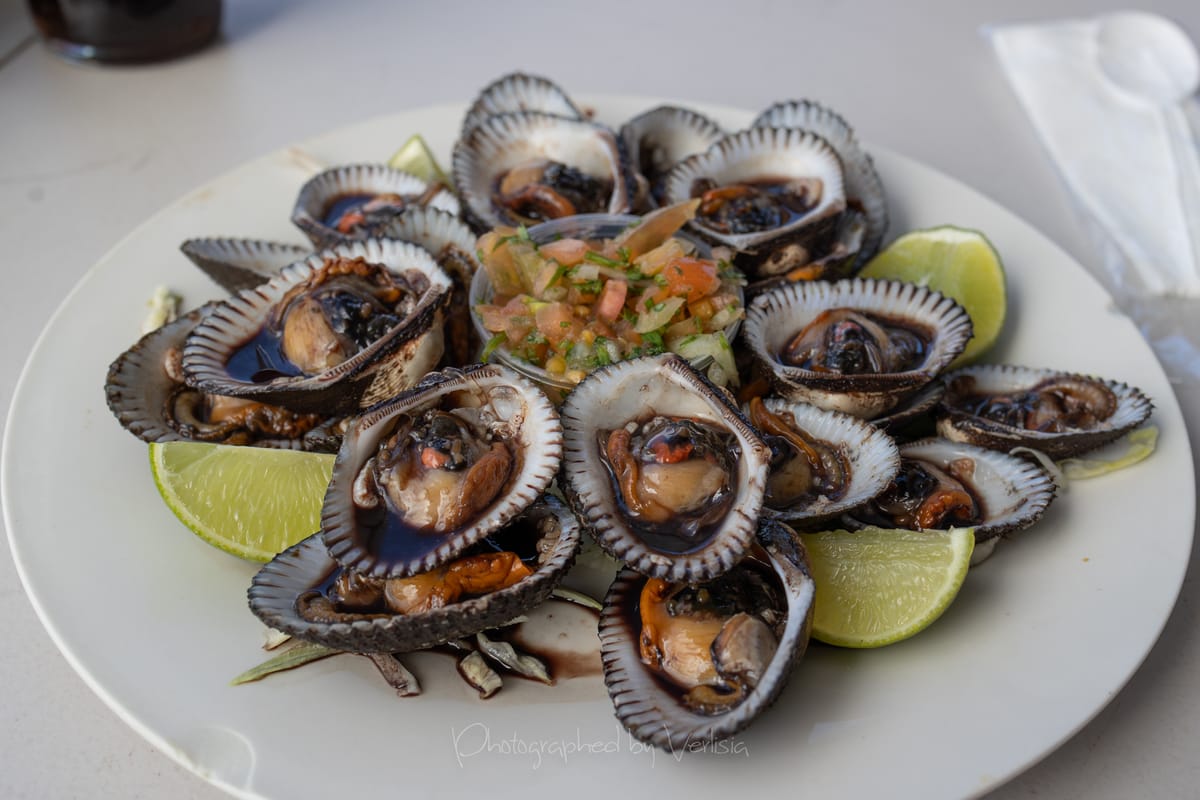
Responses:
[394,361]
[1013,492]
[138,388]
[515,412]
[353,180]
[776,317]
[274,592]
[504,141]
[653,713]
[863,185]
[1132,409]
[763,154]
[658,139]
[432,228]
[636,390]
[872,455]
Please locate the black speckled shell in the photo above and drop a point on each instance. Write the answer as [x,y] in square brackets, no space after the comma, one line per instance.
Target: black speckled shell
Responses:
[237,264]
[389,365]
[277,586]
[322,188]
[519,91]
[775,317]
[1133,408]
[653,714]
[629,390]
[863,186]
[530,423]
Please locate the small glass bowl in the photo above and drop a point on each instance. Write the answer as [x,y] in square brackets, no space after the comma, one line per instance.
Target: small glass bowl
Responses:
[581,226]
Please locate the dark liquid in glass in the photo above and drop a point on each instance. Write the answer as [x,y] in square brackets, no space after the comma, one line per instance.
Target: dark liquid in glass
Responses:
[126,30]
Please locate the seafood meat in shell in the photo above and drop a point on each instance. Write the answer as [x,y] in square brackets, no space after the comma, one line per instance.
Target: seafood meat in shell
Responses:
[338,331]
[523,168]
[357,201]
[452,245]
[943,484]
[858,346]
[864,190]
[662,469]
[658,139]
[423,476]
[761,190]
[822,462]
[690,662]
[305,592]
[146,392]
[1059,413]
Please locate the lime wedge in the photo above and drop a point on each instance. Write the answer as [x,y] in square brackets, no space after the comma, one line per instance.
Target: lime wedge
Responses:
[248,501]
[877,586]
[416,158]
[959,263]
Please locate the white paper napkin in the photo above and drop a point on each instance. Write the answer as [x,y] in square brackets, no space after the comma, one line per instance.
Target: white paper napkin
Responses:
[1115,156]
[1111,149]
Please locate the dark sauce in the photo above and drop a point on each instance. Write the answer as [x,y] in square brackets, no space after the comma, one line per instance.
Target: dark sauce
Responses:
[394,541]
[756,205]
[260,359]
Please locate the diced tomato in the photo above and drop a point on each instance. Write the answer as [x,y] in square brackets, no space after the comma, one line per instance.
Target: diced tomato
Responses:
[493,317]
[516,328]
[702,308]
[612,300]
[567,252]
[496,318]
[691,278]
[556,321]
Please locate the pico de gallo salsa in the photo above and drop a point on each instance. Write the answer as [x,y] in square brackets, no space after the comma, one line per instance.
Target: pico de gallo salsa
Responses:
[570,305]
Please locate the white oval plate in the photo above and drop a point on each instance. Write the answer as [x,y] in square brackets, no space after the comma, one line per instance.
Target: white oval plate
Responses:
[1041,638]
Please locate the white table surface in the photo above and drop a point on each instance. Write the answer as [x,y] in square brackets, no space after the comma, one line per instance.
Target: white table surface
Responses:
[87,153]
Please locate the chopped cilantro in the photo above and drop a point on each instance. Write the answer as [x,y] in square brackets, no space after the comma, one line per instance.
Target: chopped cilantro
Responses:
[596,258]
[602,357]
[652,343]
[590,287]
[660,279]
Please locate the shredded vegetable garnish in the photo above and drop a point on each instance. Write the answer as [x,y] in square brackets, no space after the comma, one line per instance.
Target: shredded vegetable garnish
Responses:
[1125,452]
[302,653]
[1134,447]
